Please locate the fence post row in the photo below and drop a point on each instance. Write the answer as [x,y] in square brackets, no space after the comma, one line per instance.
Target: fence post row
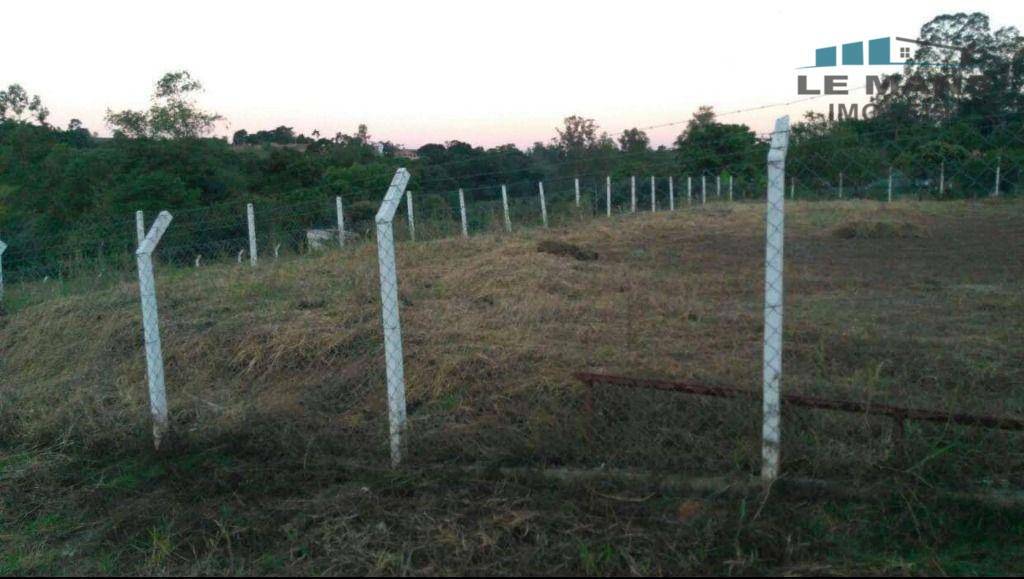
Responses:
[339,207]
[3,248]
[774,236]
[251,216]
[412,222]
[462,213]
[393,360]
[543,204]
[151,328]
[504,207]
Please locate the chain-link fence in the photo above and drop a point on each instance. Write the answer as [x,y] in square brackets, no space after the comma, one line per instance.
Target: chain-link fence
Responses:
[901,313]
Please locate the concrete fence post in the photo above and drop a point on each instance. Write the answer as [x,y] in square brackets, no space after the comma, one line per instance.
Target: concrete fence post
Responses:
[504,207]
[671,195]
[718,186]
[689,190]
[999,166]
[462,213]
[703,189]
[543,203]
[632,194]
[151,328]
[576,182]
[3,248]
[774,237]
[140,228]
[340,210]
[654,202]
[890,184]
[840,184]
[942,178]
[412,219]
[608,194]
[730,187]
[251,215]
[394,363]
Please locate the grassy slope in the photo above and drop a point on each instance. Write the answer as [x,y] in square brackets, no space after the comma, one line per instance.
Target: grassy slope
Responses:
[275,383]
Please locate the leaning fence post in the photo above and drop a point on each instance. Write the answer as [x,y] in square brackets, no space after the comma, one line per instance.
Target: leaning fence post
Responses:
[412,222]
[140,227]
[654,203]
[543,204]
[462,213]
[151,328]
[251,215]
[671,195]
[577,184]
[3,248]
[393,360]
[608,194]
[339,208]
[775,223]
[504,207]
[632,194]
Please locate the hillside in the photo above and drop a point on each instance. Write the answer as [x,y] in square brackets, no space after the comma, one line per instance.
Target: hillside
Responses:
[275,383]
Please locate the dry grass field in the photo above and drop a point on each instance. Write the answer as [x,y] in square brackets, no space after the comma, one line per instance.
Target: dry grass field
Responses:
[276,389]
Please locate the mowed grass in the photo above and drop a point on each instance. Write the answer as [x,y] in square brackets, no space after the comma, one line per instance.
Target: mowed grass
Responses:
[275,379]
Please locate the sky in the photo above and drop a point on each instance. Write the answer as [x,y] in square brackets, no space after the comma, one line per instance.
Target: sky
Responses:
[488,73]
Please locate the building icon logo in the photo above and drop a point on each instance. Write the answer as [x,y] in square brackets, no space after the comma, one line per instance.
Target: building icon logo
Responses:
[879,52]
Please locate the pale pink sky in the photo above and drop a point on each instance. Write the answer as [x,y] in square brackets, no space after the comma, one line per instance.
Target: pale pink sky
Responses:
[418,72]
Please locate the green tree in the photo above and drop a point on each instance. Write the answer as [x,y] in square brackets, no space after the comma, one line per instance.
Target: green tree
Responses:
[173,112]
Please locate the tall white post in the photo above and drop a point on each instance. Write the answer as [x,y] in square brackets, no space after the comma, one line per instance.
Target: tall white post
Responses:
[608,194]
[412,220]
[718,186]
[251,215]
[151,328]
[462,213]
[140,227]
[999,166]
[840,184]
[394,363]
[730,187]
[340,209]
[654,202]
[890,183]
[504,206]
[543,204]
[632,194]
[577,183]
[671,195]
[942,178]
[3,248]
[689,190]
[775,221]
[703,189]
